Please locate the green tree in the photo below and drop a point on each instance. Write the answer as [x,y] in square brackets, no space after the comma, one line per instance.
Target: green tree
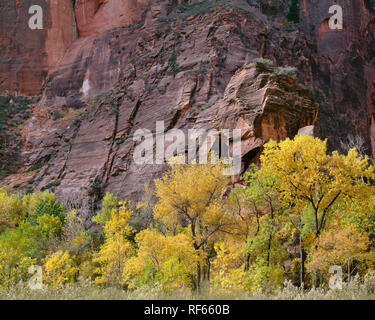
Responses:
[109,203]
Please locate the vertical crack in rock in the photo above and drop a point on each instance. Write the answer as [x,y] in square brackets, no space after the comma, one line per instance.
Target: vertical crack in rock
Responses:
[111,153]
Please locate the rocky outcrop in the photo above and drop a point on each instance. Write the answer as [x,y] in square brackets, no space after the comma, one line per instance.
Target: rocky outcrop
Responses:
[263,105]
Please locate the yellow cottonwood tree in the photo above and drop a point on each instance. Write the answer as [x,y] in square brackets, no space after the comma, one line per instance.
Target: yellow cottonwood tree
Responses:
[59,269]
[191,196]
[228,270]
[11,210]
[258,213]
[109,203]
[307,174]
[37,204]
[117,249]
[14,265]
[307,177]
[168,260]
[338,246]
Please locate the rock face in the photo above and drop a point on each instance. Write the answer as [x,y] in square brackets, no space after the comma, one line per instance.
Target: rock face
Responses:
[344,72]
[96,16]
[138,62]
[263,105]
[27,56]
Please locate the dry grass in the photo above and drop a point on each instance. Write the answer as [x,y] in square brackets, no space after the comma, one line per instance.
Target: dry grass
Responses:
[86,290]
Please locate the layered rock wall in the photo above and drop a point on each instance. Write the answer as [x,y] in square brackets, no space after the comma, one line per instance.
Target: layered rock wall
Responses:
[28,56]
[96,16]
[345,69]
[136,62]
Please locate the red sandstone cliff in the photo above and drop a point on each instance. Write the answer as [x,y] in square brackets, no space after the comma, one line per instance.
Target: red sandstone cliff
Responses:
[135,62]
[27,56]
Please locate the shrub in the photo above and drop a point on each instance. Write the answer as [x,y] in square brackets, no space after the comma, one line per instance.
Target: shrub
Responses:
[286,71]
[108,205]
[57,115]
[11,210]
[264,61]
[265,279]
[173,63]
[14,265]
[59,269]
[95,189]
[293,14]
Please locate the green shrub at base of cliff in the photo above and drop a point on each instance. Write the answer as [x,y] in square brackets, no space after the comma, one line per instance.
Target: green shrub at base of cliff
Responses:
[293,14]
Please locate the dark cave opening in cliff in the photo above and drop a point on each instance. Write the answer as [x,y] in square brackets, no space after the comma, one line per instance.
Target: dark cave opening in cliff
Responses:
[249,158]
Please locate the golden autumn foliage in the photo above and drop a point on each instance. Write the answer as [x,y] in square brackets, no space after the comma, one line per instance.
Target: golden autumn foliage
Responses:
[14,265]
[49,225]
[59,269]
[73,233]
[109,203]
[191,196]
[300,191]
[307,175]
[302,211]
[36,204]
[167,260]
[117,249]
[228,268]
[11,210]
[263,278]
[338,246]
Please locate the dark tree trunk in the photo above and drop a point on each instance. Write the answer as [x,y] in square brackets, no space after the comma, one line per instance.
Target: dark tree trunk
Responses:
[247,264]
[198,276]
[269,250]
[302,261]
[208,268]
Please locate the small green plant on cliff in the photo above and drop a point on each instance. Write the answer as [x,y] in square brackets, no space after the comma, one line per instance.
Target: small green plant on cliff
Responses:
[136,26]
[95,189]
[264,61]
[173,66]
[286,71]
[57,115]
[293,14]
[201,70]
[208,105]
[52,184]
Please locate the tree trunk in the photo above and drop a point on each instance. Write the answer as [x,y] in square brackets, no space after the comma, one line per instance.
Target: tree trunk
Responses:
[348,270]
[317,280]
[302,261]
[198,275]
[269,250]
[247,264]
[208,269]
